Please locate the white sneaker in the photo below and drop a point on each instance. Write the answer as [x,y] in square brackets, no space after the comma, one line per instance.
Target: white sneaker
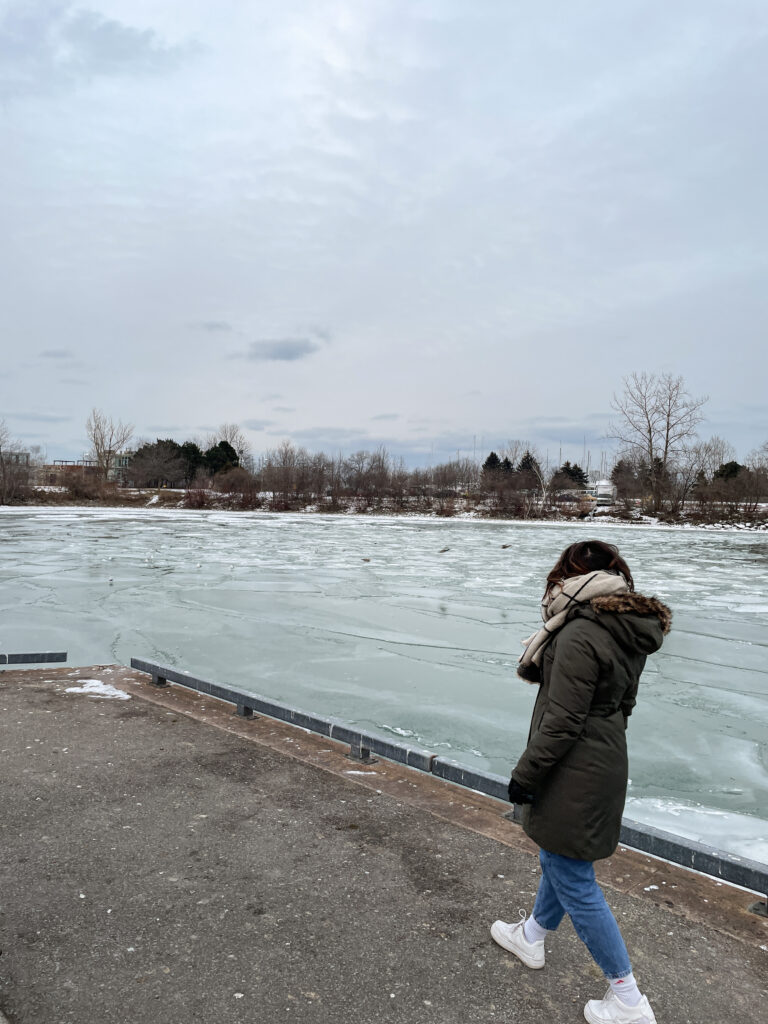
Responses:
[611,1010]
[512,938]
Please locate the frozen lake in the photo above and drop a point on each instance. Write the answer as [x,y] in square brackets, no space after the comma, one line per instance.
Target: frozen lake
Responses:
[412,627]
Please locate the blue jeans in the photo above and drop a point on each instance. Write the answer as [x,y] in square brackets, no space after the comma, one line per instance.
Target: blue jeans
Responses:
[569,886]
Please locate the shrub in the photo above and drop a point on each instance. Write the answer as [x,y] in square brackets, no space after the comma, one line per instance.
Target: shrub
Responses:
[85,488]
[197,497]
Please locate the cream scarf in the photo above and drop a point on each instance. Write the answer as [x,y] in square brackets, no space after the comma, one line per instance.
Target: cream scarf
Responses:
[556,608]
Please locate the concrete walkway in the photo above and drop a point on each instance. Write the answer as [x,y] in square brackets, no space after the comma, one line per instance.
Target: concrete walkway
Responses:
[164,860]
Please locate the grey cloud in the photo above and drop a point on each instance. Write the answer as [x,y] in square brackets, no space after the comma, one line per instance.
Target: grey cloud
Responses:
[110,47]
[215,326]
[386,416]
[257,424]
[724,424]
[160,428]
[285,350]
[45,47]
[34,417]
[283,408]
[57,353]
[320,437]
[542,430]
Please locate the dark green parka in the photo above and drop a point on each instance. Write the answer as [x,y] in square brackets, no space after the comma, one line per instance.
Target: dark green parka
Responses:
[575,762]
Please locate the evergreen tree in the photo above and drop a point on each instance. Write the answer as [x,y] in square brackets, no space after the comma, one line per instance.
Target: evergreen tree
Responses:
[626,479]
[192,458]
[528,472]
[158,464]
[492,464]
[573,473]
[529,464]
[220,457]
[728,470]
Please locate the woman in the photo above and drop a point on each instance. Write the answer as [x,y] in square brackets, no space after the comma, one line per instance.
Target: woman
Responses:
[572,776]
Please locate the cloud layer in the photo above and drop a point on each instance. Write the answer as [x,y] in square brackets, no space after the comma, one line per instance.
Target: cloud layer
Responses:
[427,224]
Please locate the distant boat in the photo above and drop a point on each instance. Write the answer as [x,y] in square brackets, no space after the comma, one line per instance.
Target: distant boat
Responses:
[604,491]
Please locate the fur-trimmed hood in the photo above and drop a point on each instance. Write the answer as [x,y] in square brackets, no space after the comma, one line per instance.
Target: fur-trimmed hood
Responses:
[637,603]
[635,621]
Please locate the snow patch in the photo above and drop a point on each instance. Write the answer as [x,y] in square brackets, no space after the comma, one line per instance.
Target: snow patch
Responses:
[95,688]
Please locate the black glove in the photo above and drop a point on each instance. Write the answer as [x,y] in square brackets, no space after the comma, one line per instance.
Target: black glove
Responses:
[518,794]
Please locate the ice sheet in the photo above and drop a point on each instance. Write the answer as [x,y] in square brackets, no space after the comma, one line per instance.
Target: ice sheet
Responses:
[370,620]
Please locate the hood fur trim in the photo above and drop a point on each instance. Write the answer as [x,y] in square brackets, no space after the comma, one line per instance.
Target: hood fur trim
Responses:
[638,603]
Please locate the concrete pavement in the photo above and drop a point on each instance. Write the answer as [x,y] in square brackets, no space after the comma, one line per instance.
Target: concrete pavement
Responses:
[162,859]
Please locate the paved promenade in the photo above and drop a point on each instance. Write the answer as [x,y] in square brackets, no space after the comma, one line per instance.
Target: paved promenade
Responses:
[163,860]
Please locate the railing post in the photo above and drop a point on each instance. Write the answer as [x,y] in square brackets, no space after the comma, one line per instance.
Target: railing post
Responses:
[358,752]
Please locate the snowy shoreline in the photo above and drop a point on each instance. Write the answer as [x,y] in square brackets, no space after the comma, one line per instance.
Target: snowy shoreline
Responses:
[151,508]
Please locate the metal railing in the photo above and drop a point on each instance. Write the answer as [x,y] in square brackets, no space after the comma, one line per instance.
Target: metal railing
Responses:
[42,657]
[363,744]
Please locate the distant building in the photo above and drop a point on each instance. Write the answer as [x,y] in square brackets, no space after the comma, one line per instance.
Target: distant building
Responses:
[61,471]
[17,458]
[120,467]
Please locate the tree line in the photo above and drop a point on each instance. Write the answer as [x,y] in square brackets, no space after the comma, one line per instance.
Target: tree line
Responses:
[662,466]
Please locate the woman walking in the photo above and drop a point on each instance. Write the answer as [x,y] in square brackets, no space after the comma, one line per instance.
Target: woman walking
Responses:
[572,776]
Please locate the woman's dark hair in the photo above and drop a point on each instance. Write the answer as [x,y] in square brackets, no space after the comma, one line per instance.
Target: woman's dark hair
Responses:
[588,556]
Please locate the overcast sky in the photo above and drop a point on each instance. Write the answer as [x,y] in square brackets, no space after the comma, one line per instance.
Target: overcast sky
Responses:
[432,224]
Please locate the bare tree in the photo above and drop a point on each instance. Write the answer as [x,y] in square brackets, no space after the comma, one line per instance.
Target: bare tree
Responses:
[108,439]
[757,463]
[656,416]
[513,450]
[280,469]
[355,471]
[714,453]
[232,434]
[14,466]
[530,466]
[757,459]
[688,470]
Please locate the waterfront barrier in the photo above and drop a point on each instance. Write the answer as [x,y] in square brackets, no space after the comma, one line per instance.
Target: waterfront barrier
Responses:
[40,658]
[363,744]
